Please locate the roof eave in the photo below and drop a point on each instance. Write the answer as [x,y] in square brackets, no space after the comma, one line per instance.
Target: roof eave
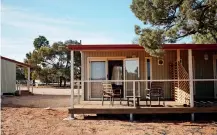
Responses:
[137,47]
[16,62]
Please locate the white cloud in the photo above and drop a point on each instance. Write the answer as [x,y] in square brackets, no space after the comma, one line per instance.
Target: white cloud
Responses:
[28,25]
[13,13]
[53,28]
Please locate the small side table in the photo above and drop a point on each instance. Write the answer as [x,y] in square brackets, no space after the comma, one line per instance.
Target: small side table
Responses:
[130,99]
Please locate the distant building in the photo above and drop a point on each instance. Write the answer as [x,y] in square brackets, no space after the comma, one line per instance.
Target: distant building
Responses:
[8,74]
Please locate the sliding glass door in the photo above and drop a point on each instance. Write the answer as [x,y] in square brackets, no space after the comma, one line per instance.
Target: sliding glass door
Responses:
[98,71]
[131,72]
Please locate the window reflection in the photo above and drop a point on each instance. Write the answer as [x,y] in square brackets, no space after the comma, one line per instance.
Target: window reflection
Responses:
[98,70]
[132,68]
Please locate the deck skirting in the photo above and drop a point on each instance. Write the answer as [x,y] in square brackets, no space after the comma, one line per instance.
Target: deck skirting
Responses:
[146,110]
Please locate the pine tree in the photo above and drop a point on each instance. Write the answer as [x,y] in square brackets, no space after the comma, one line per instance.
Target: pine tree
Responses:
[168,21]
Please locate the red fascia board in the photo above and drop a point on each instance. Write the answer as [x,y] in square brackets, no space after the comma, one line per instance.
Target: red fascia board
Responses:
[191,46]
[105,47]
[16,62]
[137,47]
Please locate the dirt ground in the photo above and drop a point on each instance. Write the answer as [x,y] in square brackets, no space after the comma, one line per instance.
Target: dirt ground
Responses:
[26,116]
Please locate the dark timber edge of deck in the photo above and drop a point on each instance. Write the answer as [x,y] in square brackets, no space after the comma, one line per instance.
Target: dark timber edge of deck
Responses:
[151,110]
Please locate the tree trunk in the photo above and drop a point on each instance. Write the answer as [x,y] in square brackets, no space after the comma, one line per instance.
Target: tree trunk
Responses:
[46,81]
[64,82]
[60,81]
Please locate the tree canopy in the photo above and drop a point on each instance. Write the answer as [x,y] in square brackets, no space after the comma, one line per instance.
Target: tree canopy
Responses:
[168,21]
[40,41]
[51,63]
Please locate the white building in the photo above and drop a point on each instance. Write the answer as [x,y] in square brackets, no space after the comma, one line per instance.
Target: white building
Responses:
[8,74]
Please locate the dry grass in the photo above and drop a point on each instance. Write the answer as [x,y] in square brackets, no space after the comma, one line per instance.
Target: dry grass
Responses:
[25,115]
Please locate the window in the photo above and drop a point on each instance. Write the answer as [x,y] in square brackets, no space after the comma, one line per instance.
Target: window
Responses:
[148,72]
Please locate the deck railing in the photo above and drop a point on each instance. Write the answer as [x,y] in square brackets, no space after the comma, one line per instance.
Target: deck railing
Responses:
[23,85]
[135,90]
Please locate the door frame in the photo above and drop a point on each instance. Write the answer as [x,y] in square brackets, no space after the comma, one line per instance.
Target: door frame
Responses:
[124,67]
[215,75]
[89,74]
[106,59]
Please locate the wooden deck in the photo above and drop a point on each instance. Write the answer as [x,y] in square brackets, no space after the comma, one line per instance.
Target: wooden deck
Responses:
[95,107]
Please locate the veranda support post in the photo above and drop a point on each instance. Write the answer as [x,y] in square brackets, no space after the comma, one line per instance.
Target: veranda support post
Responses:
[191,85]
[72,82]
[82,75]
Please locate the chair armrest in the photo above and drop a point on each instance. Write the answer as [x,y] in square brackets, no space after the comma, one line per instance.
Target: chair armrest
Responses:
[147,89]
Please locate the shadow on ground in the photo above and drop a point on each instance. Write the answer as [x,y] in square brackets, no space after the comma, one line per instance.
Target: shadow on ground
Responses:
[159,118]
[36,101]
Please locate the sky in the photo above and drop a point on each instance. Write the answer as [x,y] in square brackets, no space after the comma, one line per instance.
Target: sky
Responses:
[93,22]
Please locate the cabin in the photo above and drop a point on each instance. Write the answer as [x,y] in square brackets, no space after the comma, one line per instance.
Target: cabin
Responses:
[8,75]
[188,73]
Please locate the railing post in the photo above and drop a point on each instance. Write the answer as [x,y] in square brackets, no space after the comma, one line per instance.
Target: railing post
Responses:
[78,88]
[19,87]
[28,82]
[134,94]
[82,76]
[191,85]
[31,86]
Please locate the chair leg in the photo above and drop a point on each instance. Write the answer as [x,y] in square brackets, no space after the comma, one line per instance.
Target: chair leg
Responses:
[113,101]
[102,100]
[158,100]
[137,101]
[150,102]
[120,100]
[128,102]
